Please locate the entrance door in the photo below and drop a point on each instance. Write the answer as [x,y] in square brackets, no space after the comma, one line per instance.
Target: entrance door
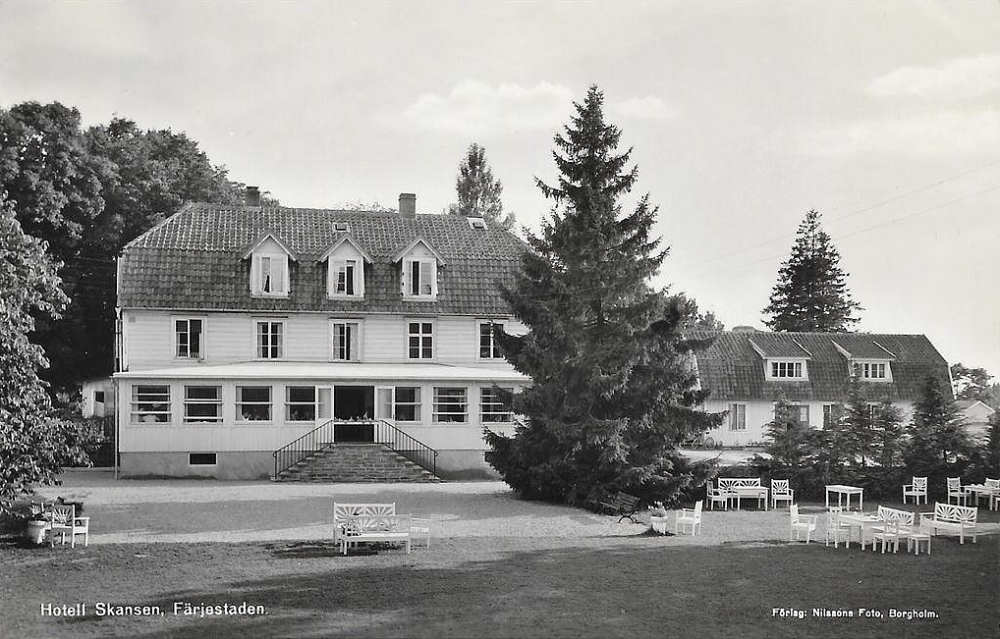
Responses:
[354,403]
[384,403]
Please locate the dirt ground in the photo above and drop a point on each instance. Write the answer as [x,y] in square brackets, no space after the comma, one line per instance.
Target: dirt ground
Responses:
[196,558]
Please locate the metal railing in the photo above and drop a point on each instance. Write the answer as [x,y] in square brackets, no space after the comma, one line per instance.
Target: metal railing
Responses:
[376,431]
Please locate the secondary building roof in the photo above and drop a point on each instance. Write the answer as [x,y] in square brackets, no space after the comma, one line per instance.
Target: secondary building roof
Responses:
[194,260]
[731,368]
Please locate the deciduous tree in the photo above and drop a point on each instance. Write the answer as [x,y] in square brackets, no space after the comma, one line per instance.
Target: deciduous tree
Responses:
[613,387]
[811,293]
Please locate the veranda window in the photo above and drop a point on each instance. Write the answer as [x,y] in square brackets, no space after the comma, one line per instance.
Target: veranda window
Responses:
[492,406]
[451,404]
[202,404]
[300,404]
[253,403]
[150,404]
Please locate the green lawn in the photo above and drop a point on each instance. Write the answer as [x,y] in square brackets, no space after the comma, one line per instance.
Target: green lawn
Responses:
[506,587]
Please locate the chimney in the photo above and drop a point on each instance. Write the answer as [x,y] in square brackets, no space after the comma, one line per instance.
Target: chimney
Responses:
[253,196]
[408,205]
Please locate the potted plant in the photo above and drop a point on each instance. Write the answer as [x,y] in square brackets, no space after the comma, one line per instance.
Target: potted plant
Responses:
[658,518]
[34,532]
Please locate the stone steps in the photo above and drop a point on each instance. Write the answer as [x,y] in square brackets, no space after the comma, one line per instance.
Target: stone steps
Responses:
[368,463]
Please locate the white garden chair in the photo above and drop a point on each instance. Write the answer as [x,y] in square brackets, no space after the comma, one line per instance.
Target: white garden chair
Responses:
[717,496]
[63,521]
[836,529]
[917,489]
[800,523]
[780,491]
[890,533]
[689,517]
[955,491]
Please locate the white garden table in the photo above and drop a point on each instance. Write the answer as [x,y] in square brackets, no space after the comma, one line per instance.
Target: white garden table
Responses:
[843,490]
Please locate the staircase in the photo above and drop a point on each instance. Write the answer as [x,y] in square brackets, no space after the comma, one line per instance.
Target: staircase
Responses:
[356,462]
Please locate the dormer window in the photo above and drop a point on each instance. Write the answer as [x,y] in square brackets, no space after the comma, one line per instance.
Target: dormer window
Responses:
[477,222]
[269,276]
[786,369]
[341,227]
[873,371]
[419,264]
[345,267]
[420,278]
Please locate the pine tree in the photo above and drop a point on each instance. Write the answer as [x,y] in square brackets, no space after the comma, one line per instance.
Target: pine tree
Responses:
[811,294]
[478,191]
[938,445]
[613,389]
[887,424]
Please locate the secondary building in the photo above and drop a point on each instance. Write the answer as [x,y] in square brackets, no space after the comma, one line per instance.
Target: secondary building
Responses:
[747,371]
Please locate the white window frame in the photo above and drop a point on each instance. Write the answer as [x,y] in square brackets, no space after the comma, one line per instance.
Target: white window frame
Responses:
[417,404]
[289,404]
[356,281]
[437,405]
[868,370]
[187,402]
[177,337]
[428,266]
[356,329]
[490,405]
[240,403]
[149,399]
[787,369]
[828,414]
[800,408]
[737,418]
[421,336]
[257,351]
[494,348]
[257,276]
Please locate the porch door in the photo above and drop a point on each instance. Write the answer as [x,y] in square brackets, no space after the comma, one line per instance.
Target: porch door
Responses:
[385,400]
[324,404]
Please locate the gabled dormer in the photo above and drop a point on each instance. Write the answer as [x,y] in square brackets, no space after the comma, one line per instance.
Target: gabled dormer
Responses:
[784,361]
[345,268]
[867,361]
[269,257]
[419,264]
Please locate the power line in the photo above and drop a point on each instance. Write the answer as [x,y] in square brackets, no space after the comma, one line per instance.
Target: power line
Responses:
[844,217]
[865,230]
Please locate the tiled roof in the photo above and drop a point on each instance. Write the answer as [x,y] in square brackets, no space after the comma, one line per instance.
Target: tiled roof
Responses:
[731,369]
[779,345]
[193,261]
[860,346]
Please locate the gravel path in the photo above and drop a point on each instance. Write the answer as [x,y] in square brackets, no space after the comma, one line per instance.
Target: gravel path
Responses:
[190,511]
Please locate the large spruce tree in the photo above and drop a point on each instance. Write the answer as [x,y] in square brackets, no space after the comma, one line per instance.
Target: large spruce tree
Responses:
[811,293]
[938,445]
[613,389]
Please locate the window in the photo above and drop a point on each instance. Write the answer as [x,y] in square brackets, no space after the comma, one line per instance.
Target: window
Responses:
[420,278]
[492,406]
[151,404]
[253,403]
[201,459]
[451,404]
[346,278]
[407,404]
[202,405]
[488,346]
[790,370]
[300,404]
[98,397]
[870,370]
[872,410]
[737,417]
[346,340]
[801,412]
[270,340]
[832,414]
[341,227]
[476,222]
[421,340]
[188,339]
[270,275]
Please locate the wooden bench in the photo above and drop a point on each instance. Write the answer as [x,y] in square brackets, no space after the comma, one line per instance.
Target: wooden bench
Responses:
[621,504]
[359,523]
[952,518]
[739,487]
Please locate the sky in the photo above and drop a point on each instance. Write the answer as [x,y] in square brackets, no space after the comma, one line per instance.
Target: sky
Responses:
[884,116]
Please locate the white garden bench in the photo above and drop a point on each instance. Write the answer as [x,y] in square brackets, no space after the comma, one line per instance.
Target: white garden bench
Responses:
[360,523]
[951,518]
[738,487]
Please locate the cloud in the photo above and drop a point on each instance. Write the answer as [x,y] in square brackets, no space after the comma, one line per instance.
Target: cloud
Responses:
[973,131]
[474,107]
[648,108]
[955,80]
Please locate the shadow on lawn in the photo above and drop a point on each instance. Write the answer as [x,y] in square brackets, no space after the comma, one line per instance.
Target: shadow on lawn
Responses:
[617,591]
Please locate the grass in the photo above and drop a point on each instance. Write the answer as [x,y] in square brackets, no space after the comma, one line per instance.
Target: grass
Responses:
[634,586]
